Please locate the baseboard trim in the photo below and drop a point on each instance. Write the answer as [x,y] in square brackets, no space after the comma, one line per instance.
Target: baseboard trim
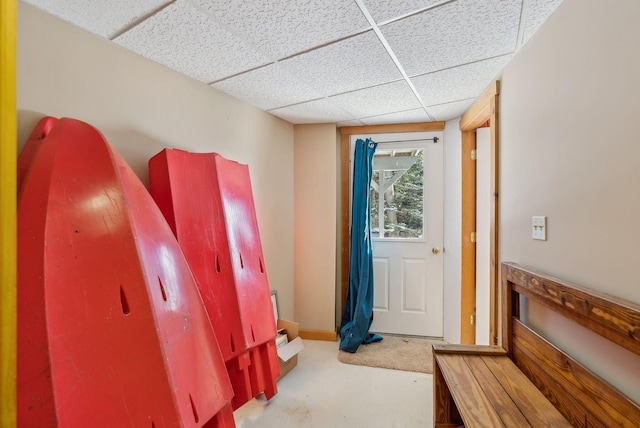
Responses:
[329,336]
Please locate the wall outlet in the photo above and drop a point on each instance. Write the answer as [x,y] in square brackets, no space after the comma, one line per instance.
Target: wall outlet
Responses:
[539,227]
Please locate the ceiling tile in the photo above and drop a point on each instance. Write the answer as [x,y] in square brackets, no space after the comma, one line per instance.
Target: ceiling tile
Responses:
[185,39]
[449,110]
[105,18]
[267,88]
[459,83]
[355,63]
[389,98]
[319,111]
[383,10]
[409,116]
[280,31]
[454,34]
[537,11]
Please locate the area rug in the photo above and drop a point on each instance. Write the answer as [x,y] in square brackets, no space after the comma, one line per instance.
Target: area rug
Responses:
[411,354]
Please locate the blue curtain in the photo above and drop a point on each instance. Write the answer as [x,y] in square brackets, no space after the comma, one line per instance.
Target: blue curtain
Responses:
[358,308]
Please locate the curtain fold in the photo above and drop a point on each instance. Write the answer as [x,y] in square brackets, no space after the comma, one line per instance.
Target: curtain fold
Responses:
[358,310]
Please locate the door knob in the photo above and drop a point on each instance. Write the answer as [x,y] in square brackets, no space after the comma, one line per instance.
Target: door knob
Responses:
[435,250]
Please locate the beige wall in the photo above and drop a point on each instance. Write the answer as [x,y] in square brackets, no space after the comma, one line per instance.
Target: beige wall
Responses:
[142,107]
[570,103]
[315,176]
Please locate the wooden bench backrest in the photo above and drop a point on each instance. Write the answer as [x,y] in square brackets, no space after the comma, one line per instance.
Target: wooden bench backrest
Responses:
[585,399]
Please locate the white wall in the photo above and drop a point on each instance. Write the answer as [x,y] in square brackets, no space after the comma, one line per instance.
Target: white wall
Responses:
[315,212]
[570,103]
[452,229]
[483,236]
[142,107]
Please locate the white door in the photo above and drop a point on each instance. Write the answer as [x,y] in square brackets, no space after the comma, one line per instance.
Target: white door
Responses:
[407,224]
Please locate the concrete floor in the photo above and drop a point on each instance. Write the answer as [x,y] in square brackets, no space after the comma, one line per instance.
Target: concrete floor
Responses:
[325,393]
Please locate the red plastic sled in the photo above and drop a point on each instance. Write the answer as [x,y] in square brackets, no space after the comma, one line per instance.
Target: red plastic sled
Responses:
[207,201]
[111,328]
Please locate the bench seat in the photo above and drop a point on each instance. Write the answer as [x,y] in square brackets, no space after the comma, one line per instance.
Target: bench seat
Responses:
[481,387]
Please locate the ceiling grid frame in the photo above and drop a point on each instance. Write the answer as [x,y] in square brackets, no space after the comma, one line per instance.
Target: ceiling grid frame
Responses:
[393,56]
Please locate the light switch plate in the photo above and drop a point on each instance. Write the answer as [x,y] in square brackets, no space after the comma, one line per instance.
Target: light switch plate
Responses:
[539,227]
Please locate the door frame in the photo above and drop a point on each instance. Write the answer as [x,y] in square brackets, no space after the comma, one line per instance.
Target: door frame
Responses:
[483,112]
[345,200]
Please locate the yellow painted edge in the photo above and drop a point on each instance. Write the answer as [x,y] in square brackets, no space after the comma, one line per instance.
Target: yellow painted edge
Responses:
[329,336]
[8,158]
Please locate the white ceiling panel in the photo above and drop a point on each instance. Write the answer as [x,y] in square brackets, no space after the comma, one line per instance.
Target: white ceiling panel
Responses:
[459,83]
[384,10]
[355,63]
[185,39]
[319,111]
[454,34]
[282,31]
[268,87]
[105,18]
[313,61]
[449,110]
[537,11]
[409,116]
[378,100]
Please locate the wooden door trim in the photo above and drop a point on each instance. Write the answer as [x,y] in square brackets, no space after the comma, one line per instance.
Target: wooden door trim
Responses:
[484,109]
[345,135]
[8,149]
[468,254]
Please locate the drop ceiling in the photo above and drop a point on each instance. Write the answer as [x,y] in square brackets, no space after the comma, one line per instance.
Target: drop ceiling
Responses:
[352,62]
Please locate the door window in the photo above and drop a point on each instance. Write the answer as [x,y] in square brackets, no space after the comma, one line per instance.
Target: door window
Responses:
[397,194]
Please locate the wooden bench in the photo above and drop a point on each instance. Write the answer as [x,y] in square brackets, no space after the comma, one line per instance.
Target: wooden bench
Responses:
[530,382]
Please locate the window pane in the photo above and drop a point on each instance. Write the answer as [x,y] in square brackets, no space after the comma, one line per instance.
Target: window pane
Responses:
[404,204]
[399,175]
[373,205]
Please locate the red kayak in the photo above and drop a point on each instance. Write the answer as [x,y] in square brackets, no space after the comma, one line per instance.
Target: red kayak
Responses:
[208,202]
[112,331]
